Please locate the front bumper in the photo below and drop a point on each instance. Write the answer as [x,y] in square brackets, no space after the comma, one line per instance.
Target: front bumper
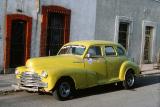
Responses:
[18,87]
[30,81]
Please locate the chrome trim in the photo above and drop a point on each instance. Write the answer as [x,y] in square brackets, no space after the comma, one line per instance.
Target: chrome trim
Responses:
[31,80]
[29,89]
[18,87]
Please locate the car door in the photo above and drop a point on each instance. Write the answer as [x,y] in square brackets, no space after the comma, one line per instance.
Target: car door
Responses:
[95,66]
[111,62]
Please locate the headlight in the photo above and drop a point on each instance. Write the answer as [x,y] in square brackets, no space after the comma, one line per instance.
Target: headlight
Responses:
[44,74]
[16,72]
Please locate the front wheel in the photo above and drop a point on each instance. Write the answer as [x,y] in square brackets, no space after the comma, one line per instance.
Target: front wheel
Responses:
[65,90]
[129,80]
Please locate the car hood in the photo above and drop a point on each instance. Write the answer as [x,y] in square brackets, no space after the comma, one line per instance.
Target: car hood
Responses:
[53,61]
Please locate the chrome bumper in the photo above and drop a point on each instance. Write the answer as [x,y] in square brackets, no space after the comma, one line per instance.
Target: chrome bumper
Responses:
[30,81]
[18,87]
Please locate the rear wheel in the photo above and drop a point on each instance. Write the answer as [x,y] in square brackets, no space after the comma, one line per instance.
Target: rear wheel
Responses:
[129,80]
[65,89]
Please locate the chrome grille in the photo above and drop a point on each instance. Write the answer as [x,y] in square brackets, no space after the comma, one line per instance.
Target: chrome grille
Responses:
[30,79]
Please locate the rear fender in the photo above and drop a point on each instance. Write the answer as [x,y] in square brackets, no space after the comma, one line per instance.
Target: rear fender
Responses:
[128,65]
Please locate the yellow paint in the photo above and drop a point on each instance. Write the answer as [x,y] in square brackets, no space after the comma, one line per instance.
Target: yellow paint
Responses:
[85,72]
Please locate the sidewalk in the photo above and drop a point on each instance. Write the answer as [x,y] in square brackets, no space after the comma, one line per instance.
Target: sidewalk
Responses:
[150,72]
[148,67]
[7,80]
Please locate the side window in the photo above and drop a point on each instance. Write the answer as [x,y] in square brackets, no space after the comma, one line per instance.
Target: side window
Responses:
[120,51]
[109,51]
[95,51]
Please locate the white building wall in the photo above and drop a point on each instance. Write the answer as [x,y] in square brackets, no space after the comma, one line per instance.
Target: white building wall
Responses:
[10,7]
[133,11]
[2,10]
[83,16]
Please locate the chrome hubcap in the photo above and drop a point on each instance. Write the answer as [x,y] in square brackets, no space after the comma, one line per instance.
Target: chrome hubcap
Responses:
[130,80]
[64,89]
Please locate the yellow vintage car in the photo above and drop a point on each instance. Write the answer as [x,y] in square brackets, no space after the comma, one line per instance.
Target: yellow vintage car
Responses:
[78,65]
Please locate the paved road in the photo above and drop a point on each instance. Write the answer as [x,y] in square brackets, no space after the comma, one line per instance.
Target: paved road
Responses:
[145,94]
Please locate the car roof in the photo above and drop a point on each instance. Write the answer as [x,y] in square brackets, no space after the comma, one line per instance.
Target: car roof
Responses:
[92,42]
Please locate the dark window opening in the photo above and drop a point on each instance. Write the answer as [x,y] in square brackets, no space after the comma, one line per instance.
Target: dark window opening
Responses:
[55,33]
[123,34]
[147,46]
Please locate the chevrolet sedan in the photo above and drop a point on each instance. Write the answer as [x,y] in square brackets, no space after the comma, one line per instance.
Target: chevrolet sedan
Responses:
[78,65]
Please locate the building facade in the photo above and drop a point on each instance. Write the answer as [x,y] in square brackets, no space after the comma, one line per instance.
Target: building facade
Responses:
[32,28]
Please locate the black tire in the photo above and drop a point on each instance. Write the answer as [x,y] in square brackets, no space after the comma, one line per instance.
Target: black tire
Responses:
[129,81]
[65,89]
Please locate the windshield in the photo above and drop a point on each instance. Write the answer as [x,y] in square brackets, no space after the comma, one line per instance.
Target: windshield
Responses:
[72,49]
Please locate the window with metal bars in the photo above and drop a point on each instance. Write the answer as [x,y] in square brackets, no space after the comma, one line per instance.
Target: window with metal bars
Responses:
[55,29]
[123,34]
[55,33]
[147,46]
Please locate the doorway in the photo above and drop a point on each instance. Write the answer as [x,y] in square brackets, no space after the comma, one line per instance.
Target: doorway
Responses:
[17,46]
[18,40]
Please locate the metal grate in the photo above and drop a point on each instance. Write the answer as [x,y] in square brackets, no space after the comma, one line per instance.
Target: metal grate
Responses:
[147,46]
[123,34]
[55,33]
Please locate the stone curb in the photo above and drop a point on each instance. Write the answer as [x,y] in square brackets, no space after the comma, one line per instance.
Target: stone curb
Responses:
[9,89]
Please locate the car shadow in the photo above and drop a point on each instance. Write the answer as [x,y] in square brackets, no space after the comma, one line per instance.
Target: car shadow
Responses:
[147,79]
[97,90]
[142,81]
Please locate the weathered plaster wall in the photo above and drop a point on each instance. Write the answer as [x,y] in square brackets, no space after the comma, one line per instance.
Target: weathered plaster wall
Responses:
[83,14]
[90,19]
[2,7]
[137,11]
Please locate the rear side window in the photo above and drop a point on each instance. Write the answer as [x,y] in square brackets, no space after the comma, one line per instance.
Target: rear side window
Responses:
[120,51]
[109,51]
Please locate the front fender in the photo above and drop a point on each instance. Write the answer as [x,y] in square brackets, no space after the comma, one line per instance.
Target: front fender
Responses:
[125,67]
[77,75]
